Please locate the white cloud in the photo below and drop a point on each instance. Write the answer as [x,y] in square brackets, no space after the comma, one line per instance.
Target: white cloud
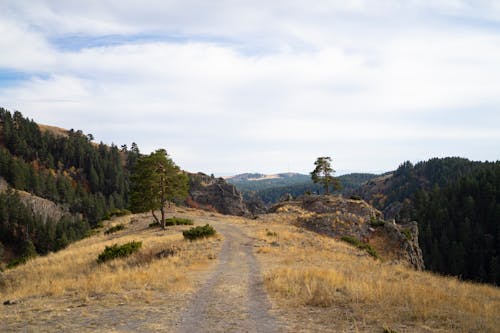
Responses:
[271,84]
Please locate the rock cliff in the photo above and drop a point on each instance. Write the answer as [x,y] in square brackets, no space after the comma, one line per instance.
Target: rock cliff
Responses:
[43,207]
[215,193]
[335,216]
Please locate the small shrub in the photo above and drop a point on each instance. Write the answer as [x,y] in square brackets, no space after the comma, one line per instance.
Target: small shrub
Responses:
[18,261]
[98,225]
[271,233]
[172,221]
[407,233]
[199,232]
[115,251]
[360,245]
[178,221]
[154,224]
[91,232]
[377,223]
[116,228]
[119,212]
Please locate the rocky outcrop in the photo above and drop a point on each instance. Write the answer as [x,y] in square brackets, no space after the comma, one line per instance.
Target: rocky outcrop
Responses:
[45,208]
[256,206]
[405,239]
[336,216]
[215,193]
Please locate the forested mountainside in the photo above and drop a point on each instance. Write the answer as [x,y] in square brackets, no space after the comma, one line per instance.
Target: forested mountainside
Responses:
[270,189]
[88,180]
[457,205]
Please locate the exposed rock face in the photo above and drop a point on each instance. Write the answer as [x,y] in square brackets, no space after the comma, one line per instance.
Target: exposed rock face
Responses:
[46,208]
[216,193]
[335,216]
[405,237]
[256,206]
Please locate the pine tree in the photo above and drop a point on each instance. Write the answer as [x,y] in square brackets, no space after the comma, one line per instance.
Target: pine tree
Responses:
[156,181]
[323,174]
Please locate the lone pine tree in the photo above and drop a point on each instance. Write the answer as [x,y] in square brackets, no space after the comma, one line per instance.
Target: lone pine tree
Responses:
[156,181]
[323,174]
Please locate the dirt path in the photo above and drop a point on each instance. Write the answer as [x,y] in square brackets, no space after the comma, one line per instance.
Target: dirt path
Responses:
[233,298]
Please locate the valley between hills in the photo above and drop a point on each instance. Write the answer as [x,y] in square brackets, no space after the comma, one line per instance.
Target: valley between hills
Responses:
[255,275]
[274,254]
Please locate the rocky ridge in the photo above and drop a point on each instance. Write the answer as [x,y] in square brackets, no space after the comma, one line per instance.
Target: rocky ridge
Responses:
[336,216]
[216,194]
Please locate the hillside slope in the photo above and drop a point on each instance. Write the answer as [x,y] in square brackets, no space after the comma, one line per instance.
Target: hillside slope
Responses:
[65,184]
[456,203]
[313,283]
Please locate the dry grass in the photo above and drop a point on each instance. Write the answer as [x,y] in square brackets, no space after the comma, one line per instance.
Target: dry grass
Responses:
[74,271]
[304,269]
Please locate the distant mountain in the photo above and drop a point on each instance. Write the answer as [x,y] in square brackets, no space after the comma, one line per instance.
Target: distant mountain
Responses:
[270,188]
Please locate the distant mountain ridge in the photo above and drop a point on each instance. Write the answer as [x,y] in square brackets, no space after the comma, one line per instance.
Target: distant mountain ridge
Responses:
[260,176]
[270,188]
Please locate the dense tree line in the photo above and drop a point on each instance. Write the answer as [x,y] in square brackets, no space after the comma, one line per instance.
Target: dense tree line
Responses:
[460,225]
[456,203]
[68,168]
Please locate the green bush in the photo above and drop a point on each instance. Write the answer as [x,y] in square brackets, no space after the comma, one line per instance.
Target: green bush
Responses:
[271,233]
[120,212]
[173,221]
[360,245]
[115,251]
[178,221]
[199,232]
[18,261]
[377,223]
[116,228]
[407,233]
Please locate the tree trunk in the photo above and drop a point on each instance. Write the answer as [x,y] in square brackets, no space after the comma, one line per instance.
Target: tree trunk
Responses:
[155,217]
[162,210]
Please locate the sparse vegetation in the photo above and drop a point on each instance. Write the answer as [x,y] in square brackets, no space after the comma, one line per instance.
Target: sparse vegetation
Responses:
[407,233]
[199,232]
[118,251]
[114,229]
[178,221]
[172,221]
[322,272]
[375,223]
[271,233]
[360,245]
[116,212]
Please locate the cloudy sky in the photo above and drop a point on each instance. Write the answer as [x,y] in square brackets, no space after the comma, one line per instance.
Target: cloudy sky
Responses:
[262,86]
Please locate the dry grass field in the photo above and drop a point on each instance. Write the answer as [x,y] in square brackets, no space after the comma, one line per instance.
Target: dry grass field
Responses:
[315,284]
[339,288]
[48,287]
